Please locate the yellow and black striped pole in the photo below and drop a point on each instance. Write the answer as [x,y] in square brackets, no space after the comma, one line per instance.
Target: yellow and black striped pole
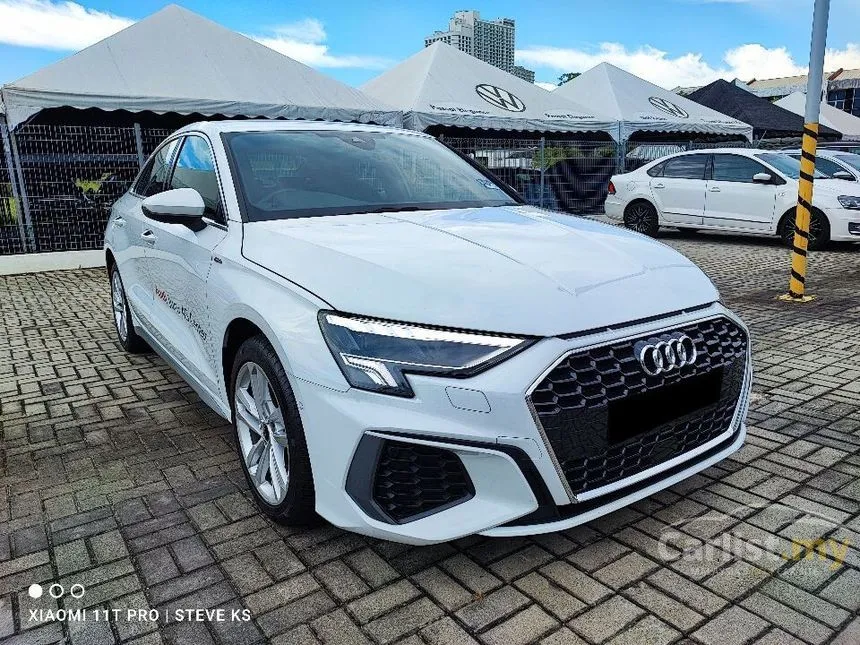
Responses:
[799,251]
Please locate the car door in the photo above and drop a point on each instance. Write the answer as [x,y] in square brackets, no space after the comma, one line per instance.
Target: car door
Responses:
[130,220]
[734,200]
[179,259]
[679,191]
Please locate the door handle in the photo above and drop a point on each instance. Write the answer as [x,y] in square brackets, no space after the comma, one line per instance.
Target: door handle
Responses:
[148,237]
[714,189]
[119,221]
[659,186]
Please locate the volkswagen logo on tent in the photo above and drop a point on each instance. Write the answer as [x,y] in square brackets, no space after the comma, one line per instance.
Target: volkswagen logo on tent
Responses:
[668,107]
[500,98]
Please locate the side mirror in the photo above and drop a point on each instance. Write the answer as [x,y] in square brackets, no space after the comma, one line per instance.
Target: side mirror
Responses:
[763,178]
[177,206]
[843,174]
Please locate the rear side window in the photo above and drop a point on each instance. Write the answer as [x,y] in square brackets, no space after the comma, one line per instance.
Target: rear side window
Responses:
[656,170]
[686,167]
[736,168]
[153,179]
[195,168]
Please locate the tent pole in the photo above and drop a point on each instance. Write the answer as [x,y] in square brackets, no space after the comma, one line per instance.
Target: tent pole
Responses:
[542,168]
[7,152]
[138,141]
[25,203]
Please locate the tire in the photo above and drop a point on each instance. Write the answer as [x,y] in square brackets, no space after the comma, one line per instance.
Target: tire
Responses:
[127,336]
[270,437]
[642,217]
[819,230]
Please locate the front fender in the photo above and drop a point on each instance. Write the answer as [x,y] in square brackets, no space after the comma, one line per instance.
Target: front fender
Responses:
[285,314]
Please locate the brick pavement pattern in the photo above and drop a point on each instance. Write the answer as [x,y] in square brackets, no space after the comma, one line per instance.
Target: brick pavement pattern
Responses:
[115,476]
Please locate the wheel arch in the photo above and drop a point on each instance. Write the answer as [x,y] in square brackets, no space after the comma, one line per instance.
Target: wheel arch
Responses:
[641,200]
[237,332]
[791,212]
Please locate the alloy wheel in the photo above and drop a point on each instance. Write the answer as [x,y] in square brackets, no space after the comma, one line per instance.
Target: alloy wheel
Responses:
[262,433]
[118,303]
[815,230]
[639,218]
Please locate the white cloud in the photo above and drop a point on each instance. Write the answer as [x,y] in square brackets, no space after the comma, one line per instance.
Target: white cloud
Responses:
[547,86]
[69,26]
[305,41]
[55,25]
[744,62]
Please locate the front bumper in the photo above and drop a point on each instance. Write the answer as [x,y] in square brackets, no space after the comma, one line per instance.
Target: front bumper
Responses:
[844,224]
[486,422]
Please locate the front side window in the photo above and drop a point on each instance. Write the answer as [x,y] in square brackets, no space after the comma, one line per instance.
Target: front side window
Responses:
[686,167]
[195,168]
[736,168]
[290,174]
[153,179]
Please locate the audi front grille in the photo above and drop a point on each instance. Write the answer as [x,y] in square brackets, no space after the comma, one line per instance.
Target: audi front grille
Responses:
[608,416]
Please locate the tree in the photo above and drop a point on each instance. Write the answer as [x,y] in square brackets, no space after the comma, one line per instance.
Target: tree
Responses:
[567,76]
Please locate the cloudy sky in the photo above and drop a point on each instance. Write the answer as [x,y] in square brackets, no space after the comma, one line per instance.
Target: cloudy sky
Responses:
[669,42]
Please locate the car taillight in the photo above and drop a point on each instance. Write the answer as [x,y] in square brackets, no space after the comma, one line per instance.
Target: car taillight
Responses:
[611,188]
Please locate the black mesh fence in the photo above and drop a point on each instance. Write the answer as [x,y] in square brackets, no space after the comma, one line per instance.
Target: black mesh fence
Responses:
[69,178]
[569,175]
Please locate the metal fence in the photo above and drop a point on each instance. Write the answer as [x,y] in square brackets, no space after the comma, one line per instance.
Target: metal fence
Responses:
[57,183]
[565,175]
[63,181]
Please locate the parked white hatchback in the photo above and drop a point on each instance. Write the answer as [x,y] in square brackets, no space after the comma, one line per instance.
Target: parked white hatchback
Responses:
[732,189]
[404,347]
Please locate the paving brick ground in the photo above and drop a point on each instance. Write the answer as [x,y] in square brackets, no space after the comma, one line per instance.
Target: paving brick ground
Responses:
[114,476]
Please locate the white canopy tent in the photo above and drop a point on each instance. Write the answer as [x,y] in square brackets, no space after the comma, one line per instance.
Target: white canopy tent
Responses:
[832,117]
[639,105]
[178,61]
[440,85]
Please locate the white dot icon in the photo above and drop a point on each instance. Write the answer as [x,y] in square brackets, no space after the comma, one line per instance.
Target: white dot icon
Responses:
[35,591]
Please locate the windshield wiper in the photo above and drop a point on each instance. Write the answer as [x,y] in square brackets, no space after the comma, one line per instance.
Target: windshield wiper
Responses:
[398,209]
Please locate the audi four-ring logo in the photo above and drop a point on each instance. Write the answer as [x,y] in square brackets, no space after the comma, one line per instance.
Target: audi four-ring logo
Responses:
[666,355]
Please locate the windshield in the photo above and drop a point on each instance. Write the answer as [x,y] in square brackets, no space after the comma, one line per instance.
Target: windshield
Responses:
[788,166]
[289,174]
[823,165]
[851,159]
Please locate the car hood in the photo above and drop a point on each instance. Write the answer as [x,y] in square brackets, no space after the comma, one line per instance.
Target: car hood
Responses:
[516,270]
[834,187]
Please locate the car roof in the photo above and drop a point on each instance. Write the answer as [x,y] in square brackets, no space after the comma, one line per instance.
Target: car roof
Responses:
[737,151]
[273,125]
[820,152]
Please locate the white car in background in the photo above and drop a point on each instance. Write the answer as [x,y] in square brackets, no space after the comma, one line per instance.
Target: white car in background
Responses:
[834,163]
[406,348]
[732,189]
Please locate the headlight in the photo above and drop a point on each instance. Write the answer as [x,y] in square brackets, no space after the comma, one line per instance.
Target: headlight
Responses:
[376,354]
[849,201]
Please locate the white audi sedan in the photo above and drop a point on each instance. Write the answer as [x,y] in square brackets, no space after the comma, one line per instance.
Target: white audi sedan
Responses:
[733,189]
[406,349]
